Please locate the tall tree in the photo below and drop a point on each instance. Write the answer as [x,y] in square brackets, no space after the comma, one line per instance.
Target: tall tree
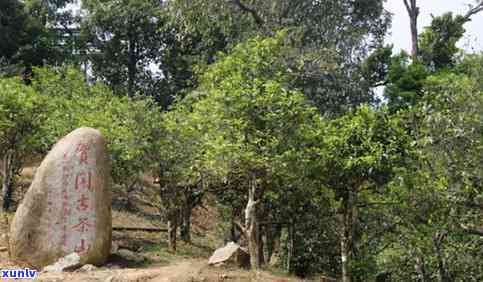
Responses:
[254,122]
[331,39]
[122,41]
[436,213]
[357,155]
[13,28]
[413,12]
[36,33]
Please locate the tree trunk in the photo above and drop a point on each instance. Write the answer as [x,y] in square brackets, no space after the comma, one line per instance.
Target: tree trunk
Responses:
[193,196]
[233,235]
[413,12]
[186,224]
[414,37]
[260,244]
[290,248]
[251,225]
[345,255]
[254,248]
[7,181]
[272,235]
[6,193]
[438,245]
[172,229]
[346,241]
[7,174]
[131,66]
[269,241]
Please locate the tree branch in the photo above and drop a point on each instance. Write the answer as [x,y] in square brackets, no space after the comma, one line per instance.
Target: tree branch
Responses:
[412,8]
[242,228]
[474,10]
[472,230]
[408,8]
[382,83]
[376,204]
[258,19]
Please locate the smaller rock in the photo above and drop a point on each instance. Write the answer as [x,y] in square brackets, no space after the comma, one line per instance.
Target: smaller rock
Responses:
[131,256]
[231,253]
[69,262]
[87,267]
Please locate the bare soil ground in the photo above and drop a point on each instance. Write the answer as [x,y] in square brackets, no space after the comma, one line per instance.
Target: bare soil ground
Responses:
[186,270]
[150,260]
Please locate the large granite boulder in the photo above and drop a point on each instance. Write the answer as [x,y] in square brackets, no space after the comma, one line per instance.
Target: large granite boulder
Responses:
[67,208]
[232,253]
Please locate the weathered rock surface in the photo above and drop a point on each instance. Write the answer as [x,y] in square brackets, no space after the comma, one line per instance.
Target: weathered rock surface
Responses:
[131,256]
[232,253]
[69,262]
[67,208]
[87,268]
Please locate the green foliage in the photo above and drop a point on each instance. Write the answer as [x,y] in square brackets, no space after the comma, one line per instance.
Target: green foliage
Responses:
[437,53]
[472,66]
[242,120]
[377,66]
[22,115]
[358,155]
[405,81]
[254,118]
[360,146]
[130,126]
[33,33]
[437,43]
[401,185]
[438,191]
[14,19]
[453,126]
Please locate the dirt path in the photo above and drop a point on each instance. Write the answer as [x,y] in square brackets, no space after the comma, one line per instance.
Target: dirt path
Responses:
[188,270]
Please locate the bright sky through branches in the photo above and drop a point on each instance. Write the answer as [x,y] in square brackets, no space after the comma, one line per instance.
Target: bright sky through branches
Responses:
[400,35]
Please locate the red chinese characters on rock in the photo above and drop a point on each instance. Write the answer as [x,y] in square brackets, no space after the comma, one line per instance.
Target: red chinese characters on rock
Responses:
[83,181]
[83,188]
[82,247]
[83,203]
[65,207]
[82,150]
[83,225]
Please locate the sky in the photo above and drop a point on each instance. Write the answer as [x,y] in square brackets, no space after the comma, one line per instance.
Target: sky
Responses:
[400,34]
